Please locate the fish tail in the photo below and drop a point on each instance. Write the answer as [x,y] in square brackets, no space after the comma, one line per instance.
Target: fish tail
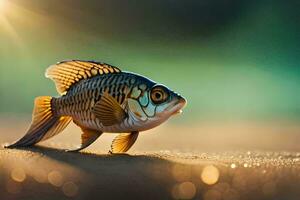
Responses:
[45,123]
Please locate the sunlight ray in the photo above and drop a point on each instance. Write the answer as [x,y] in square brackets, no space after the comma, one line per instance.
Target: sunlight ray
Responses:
[8,28]
[5,25]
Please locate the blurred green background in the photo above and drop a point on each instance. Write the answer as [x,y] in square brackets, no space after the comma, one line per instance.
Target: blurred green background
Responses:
[232,59]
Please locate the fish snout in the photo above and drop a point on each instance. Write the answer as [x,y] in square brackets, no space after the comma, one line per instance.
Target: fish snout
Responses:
[182,101]
[178,104]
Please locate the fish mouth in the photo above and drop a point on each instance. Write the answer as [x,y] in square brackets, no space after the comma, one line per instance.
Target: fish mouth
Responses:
[177,112]
[176,108]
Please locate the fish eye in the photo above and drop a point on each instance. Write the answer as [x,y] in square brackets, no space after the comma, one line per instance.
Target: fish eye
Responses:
[159,94]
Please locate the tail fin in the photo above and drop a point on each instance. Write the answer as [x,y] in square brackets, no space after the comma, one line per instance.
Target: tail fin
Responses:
[45,124]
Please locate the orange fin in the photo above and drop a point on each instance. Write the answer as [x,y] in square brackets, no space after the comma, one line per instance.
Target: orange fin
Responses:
[65,74]
[108,110]
[87,138]
[123,142]
[44,123]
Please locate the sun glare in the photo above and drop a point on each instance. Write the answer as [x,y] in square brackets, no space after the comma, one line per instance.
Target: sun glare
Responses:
[2,5]
[7,10]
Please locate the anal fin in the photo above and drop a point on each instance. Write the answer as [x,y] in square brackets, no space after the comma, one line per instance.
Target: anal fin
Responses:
[87,138]
[123,142]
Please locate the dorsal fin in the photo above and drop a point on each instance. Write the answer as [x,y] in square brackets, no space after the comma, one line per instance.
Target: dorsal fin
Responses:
[66,73]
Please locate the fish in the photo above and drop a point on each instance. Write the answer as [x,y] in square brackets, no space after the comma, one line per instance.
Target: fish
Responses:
[100,98]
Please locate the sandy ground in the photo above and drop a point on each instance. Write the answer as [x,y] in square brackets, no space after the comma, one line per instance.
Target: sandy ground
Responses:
[213,161]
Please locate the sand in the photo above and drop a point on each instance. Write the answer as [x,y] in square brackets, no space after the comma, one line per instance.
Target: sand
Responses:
[171,162]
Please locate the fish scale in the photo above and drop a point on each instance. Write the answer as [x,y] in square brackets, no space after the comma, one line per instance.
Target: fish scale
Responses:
[77,102]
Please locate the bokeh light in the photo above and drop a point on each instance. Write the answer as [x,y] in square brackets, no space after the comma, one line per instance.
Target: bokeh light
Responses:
[185,190]
[55,178]
[18,174]
[233,166]
[70,189]
[210,175]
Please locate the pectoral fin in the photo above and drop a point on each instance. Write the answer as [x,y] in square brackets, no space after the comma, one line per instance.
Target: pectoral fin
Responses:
[109,111]
[87,138]
[123,142]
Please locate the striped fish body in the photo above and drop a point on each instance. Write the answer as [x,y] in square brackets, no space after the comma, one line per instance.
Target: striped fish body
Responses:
[100,98]
[82,97]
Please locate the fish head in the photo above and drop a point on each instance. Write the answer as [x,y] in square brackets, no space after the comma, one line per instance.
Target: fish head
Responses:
[164,101]
[155,104]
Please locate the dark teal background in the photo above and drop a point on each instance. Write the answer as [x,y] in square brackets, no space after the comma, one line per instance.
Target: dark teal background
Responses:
[231,59]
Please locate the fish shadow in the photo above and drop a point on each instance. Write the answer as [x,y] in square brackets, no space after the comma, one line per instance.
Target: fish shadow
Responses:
[116,176]
[76,158]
